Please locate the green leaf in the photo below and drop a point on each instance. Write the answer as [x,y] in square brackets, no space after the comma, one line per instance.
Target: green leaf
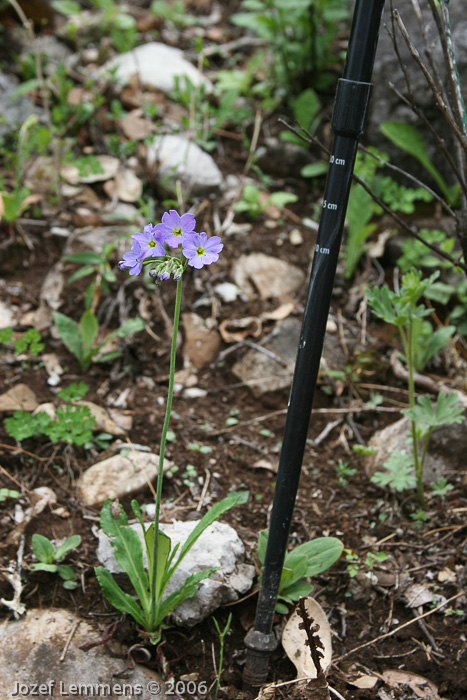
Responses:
[164,546]
[50,568]
[408,139]
[118,598]
[234,499]
[127,549]
[43,549]
[85,259]
[281,199]
[66,7]
[89,327]
[297,566]
[447,410]
[67,573]
[70,333]
[400,474]
[298,590]
[82,272]
[71,543]
[314,169]
[321,554]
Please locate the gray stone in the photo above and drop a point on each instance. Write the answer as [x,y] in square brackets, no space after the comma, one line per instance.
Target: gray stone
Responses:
[118,476]
[178,158]
[385,105]
[445,455]
[43,648]
[267,276]
[265,374]
[218,546]
[157,65]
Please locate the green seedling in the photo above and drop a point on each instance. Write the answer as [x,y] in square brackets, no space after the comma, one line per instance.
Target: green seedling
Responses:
[29,342]
[441,488]
[254,204]
[49,558]
[408,139]
[222,636]
[94,264]
[403,311]
[8,493]
[344,471]
[305,561]
[81,338]
[371,558]
[151,609]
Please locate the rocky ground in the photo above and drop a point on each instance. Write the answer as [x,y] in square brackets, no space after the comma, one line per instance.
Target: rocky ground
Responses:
[395,602]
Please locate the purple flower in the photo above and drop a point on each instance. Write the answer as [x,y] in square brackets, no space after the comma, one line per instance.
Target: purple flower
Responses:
[151,241]
[133,260]
[176,228]
[200,250]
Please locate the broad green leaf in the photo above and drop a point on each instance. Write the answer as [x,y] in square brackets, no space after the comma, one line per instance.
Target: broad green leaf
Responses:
[262,542]
[89,327]
[71,543]
[321,553]
[50,568]
[67,573]
[281,199]
[297,566]
[43,549]
[312,169]
[84,258]
[408,139]
[70,333]
[82,272]
[234,499]
[66,7]
[118,598]
[128,550]
[164,545]
[297,590]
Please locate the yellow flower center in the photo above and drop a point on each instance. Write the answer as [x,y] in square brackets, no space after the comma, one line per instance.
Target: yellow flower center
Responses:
[200,251]
[152,244]
[177,232]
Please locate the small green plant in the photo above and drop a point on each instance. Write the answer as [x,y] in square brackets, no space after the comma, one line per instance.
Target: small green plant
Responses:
[408,139]
[29,342]
[81,338]
[72,424]
[254,202]
[300,34]
[344,471]
[113,19]
[441,488]
[94,264]
[15,202]
[307,560]
[371,558]
[49,558]
[222,636]
[151,611]
[403,311]
[8,493]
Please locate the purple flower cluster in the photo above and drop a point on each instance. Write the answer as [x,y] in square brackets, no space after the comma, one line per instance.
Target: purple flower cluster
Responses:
[175,230]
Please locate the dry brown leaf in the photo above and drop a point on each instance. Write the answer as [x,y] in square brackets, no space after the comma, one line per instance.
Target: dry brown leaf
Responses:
[265,464]
[129,186]
[422,687]
[282,311]
[447,575]
[135,127]
[248,326]
[18,398]
[294,638]
[364,681]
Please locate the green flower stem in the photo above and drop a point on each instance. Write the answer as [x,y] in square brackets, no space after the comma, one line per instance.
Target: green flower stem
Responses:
[409,348]
[160,473]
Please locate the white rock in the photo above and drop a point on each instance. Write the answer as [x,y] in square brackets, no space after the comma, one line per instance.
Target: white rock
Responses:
[218,546]
[227,291]
[118,476]
[157,65]
[44,646]
[178,158]
[7,317]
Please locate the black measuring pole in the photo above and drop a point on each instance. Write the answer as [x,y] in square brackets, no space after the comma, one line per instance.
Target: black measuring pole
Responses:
[348,122]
